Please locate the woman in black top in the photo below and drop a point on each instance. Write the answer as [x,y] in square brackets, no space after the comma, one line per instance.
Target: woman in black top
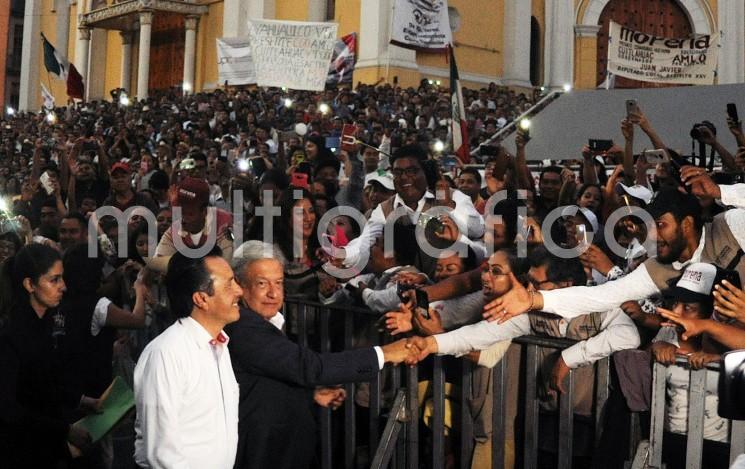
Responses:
[33,400]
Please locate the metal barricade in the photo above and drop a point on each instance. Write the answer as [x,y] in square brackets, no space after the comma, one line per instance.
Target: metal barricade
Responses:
[649,452]
[399,445]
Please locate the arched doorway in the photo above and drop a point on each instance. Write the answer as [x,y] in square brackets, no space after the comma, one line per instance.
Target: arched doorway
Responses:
[167,51]
[659,17]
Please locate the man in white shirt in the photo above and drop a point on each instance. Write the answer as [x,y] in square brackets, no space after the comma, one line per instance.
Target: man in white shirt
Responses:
[681,239]
[410,182]
[185,390]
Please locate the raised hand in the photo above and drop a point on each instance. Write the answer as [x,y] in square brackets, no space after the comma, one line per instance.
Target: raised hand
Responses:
[399,322]
[431,325]
[410,278]
[691,327]
[450,230]
[513,303]
[700,182]
[729,301]
[595,258]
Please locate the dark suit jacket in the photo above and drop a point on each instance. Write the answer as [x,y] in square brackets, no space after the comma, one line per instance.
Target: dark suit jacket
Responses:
[276,426]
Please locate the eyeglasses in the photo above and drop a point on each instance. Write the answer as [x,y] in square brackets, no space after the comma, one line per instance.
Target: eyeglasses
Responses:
[493,269]
[411,171]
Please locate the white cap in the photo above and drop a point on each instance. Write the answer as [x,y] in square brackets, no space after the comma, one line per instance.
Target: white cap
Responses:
[636,191]
[571,210]
[698,278]
[383,177]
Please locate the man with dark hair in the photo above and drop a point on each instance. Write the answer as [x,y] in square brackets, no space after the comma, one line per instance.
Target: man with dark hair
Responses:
[681,239]
[549,186]
[413,197]
[185,389]
[469,182]
[73,230]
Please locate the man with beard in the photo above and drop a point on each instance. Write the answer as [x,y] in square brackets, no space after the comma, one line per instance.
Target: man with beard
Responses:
[681,239]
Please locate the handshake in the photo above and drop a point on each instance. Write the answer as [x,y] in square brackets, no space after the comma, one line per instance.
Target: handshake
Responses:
[409,351]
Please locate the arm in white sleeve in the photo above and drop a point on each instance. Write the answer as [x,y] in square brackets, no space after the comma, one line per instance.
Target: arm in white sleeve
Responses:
[100,313]
[381,301]
[576,301]
[159,383]
[490,357]
[618,333]
[735,219]
[460,311]
[465,214]
[733,195]
[481,335]
[372,230]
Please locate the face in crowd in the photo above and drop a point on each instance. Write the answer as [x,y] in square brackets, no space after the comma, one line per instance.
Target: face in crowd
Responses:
[409,180]
[468,184]
[222,304]
[670,236]
[550,185]
[263,287]
[448,265]
[304,215]
[495,278]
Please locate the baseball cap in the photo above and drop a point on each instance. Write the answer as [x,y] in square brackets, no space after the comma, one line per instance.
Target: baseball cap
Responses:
[636,191]
[671,200]
[697,283]
[192,193]
[592,219]
[119,165]
[384,178]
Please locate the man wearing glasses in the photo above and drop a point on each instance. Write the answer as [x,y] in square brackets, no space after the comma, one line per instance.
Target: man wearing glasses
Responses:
[413,198]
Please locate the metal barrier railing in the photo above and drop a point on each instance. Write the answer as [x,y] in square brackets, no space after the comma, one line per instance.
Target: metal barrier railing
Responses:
[399,443]
[649,452]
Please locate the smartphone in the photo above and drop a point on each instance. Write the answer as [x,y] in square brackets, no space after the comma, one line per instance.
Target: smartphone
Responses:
[656,156]
[422,302]
[582,235]
[599,146]
[732,112]
[732,385]
[332,143]
[46,183]
[632,107]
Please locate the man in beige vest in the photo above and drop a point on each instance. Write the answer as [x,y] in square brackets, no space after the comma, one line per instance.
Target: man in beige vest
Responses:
[681,239]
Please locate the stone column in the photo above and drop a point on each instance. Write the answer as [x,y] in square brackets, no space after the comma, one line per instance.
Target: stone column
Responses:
[732,52]
[82,49]
[375,50]
[190,52]
[559,43]
[587,60]
[317,10]
[238,12]
[516,24]
[143,63]
[30,57]
[126,79]
[62,10]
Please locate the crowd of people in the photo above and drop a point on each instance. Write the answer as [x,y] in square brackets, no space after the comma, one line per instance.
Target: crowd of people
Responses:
[158,242]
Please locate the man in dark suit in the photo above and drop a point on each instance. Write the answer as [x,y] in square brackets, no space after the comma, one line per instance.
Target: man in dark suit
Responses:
[276,427]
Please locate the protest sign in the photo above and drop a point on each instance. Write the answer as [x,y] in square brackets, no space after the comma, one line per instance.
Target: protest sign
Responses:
[342,62]
[234,63]
[644,57]
[292,54]
[421,24]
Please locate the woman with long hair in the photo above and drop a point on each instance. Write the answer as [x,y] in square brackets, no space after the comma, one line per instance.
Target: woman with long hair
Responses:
[33,398]
[296,236]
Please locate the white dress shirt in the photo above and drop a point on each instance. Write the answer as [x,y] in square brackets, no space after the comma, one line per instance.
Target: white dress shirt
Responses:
[187,401]
[464,213]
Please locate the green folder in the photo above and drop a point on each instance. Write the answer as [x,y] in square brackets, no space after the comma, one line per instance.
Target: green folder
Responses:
[118,399]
